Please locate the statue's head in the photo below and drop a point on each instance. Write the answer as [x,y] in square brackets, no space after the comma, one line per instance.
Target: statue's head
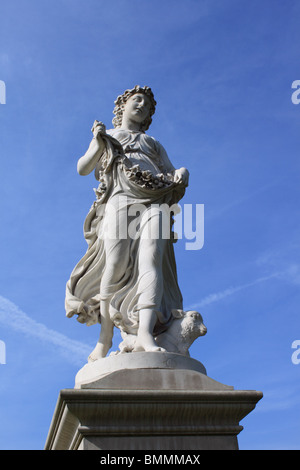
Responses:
[122,99]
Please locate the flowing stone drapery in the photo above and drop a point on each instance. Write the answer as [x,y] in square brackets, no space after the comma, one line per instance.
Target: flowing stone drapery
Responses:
[134,172]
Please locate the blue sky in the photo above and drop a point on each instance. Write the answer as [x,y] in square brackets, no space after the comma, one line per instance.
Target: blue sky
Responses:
[221,72]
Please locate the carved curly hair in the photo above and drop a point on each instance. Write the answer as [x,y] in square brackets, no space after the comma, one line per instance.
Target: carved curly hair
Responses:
[121,100]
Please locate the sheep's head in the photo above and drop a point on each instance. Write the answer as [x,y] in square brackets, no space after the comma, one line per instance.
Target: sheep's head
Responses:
[191,323]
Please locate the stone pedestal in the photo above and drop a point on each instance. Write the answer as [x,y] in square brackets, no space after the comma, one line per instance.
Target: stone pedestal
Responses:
[148,401]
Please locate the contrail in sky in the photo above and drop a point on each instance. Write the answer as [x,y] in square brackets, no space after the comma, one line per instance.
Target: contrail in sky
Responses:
[76,351]
[10,315]
[230,291]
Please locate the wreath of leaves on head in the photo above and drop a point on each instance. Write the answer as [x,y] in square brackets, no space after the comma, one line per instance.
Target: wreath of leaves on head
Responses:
[121,100]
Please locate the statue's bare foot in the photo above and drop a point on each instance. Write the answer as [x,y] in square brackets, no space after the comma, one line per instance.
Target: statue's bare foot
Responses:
[147,343]
[98,352]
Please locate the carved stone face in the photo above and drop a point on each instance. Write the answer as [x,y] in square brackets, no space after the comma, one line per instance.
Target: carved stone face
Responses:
[136,108]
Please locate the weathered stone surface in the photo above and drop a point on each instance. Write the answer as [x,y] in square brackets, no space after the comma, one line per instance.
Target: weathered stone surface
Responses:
[158,419]
[92,374]
[149,408]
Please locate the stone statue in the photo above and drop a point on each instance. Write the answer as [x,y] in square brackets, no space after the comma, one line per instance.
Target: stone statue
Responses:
[127,278]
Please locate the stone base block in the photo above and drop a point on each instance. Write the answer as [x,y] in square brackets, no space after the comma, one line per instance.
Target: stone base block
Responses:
[146,408]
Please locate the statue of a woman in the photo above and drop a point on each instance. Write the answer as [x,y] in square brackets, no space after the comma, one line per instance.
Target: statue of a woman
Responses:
[127,278]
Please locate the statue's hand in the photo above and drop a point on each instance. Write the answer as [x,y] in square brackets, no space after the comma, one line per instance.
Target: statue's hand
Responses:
[181,176]
[98,129]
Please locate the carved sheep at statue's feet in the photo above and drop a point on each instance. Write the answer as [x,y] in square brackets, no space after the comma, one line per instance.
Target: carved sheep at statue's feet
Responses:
[185,328]
[183,331]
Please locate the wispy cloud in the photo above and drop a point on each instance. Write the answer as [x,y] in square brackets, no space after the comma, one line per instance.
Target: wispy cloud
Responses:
[280,398]
[215,297]
[285,259]
[239,201]
[283,263]
[10,315]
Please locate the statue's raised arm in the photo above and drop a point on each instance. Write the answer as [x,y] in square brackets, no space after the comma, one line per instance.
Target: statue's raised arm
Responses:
[88,162]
